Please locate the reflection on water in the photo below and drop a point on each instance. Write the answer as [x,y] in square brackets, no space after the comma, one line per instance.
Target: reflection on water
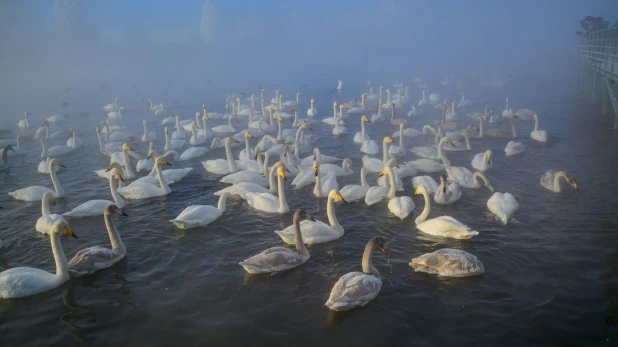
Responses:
[550,275]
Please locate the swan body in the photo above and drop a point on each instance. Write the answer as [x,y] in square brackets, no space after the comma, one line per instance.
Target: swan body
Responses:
[223,166]
[358,288]
[317,231]
[111,107]
[145,190]
[429,183]
[92,259]
[482,161]
[355,192]
[551,180]
[503,205]
[536,134]
[278,259]
[444,226]
[268,202]
[193,152]
[20,282]
[513,148]
[448,262]
[57,119]
[200,215]
[312,111]
[447,194]
[466,178]
[47,220]
[97,207]
[361,136]
[148,136]
[344,170]
[73,141]
[35,193]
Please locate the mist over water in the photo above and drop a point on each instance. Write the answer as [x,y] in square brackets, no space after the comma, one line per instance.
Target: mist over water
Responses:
[551,274]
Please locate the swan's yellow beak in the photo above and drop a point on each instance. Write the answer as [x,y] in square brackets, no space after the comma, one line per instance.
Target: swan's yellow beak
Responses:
[417,191]
[249,135]
[574,184]
[383,172]
[61,165]
[69,231]
[109,168]
[119,176]
[282,173]
[389,140]
[149,156]
[316,169]
[340,197]
[165,162]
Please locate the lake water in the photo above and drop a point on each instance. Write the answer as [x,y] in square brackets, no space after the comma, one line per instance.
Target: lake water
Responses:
[551,275]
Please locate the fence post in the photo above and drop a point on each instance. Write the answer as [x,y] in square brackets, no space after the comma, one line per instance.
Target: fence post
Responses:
[604,100]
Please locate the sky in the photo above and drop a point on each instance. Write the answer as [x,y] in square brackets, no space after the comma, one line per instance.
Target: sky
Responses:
[278,41]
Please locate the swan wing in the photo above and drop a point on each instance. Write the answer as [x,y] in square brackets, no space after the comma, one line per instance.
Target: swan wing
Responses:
[372,164]
[196,215]
[547,180]
[191,153]
[446,226]
[89,208]
[245,176]
[25,281]
[240,188]
[141,191]
[272,260]
[353,192]
[90,260]
[370,147]
[32,193]
[375,194]
[304,178]
[448,262]
[262,201]
[313,232]
[401,206]
[353,289]
[426,181]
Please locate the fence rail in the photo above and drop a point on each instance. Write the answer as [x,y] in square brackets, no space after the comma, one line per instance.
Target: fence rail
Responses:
[597,53]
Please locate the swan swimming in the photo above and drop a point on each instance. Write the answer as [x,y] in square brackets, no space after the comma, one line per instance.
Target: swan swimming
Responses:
[200,215]
[35,193]
[97,207]
[448,262]
[551,180]
[503,205]
[445,226]
[45,223]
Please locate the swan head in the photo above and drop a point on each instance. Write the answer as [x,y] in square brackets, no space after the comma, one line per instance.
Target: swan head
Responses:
[205,117]
[571,181]
[231,140]
[288,141]
[420,190]
[334,194]
[281,172]
[197,114]
[316,168]
[385,171]
[365,119]
[307,126]
[248,135]
[175,114]
[280,119]
[57,162]
[313,101]
[9,148]
[379,242]
[487,156]
[443,182]
[112,209]
[388,139]
[301,215]
[392,162]
[195,125]
[335,104]
[126,147]
[535,117]
[144,122]
[167,130]
[162,162]
[98,131]
[347,162]
[203,106]
[62,227]
[257,152]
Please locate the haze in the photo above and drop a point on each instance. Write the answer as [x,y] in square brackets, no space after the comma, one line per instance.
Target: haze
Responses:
[141,48]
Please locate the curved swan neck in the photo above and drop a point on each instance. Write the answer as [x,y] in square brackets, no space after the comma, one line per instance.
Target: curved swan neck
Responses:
[45,211]
[363,132]
[177,124]
[222,202]
[62,266]
[467,137]
[481,128]
[393,182]
[247,148]
[513,128]
[283,205]
[401,135]
[426,209]
[318,185]
[54,178]
[556,182]
[230,158]
[114,237]
[363,178]
[127,164]
[536,123]
[330,211]
[368,267]
[298,236]
[384,151]
[424,94]
[280,131]
[441,154]
[117,198]
[162,183]
[271,177]
[480,175]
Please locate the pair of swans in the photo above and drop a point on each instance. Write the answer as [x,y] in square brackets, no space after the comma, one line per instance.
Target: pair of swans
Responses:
[276,259]
[92,259]
[314,232]
[254,171]
[323,185]
[400,206]
[358,288]
[355,192]
[201,215]
[171,144]
[268,202]
[336,116]
[45,223]
[97,207]
[26,281]
[170,176]
[53,151]
[122,158]
[444,226]
[144,190]
[376,165]
[35,193]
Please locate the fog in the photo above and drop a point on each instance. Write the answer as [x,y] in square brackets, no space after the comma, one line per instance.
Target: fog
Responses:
[192,49]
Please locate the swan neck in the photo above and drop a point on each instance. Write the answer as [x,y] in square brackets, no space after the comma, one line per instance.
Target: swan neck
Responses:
[298,236]
[384,152]
[280,132]
[536,124]
[178,125]
[162,183]
[62,266]
[557,176]
[441,154]
[45,211]
[318,186]
[467,137]
[330,211]
[363,133]
[393,187]
[221,206]
[230,158]
[55,182]
[401,135]
[481,134]
[112,187]
[247,148]
[368,267]
[426,209]
[283,205]
[127,164]
[114,237]
[513,129]
[272,178]
[363,178]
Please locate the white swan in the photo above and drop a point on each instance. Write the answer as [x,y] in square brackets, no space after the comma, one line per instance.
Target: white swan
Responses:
[376,165]
[268,202]
[35,193]
[312,111]
[317,231]
[97,207]
[223,166]
[344,170]
[340,128]
[200,215]
[356,109]
[172,144]
[508,112]
[358,288]
[277,259]
[536,134]
[428,165]
[24,123]
[92,259]
[463,102]
[423,101]
[513,148]
[448,262]
[225,129]
[57,118]
[370,147]
[73,141]
[482,161]
[145,190]
[378,117]
[400,206]
[355,192]
[503,205]
[322,158]
[426,151]
[466,178]
[551,180]
[169,176]
[361,136]
[447,194]
[398,152]
[458,146]
[19,282]
[111,107]
[445,226]
[148,136]
[322,190]
[179,132]
[497,132]
[248,186]
[45,223]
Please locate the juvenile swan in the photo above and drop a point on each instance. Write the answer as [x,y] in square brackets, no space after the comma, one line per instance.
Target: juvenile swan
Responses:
[448,262]
[276,259]
[358,288]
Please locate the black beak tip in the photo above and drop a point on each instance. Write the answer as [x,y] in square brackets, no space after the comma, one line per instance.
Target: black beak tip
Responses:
[124,214]
[75,236]
[345,202]
[311,219]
